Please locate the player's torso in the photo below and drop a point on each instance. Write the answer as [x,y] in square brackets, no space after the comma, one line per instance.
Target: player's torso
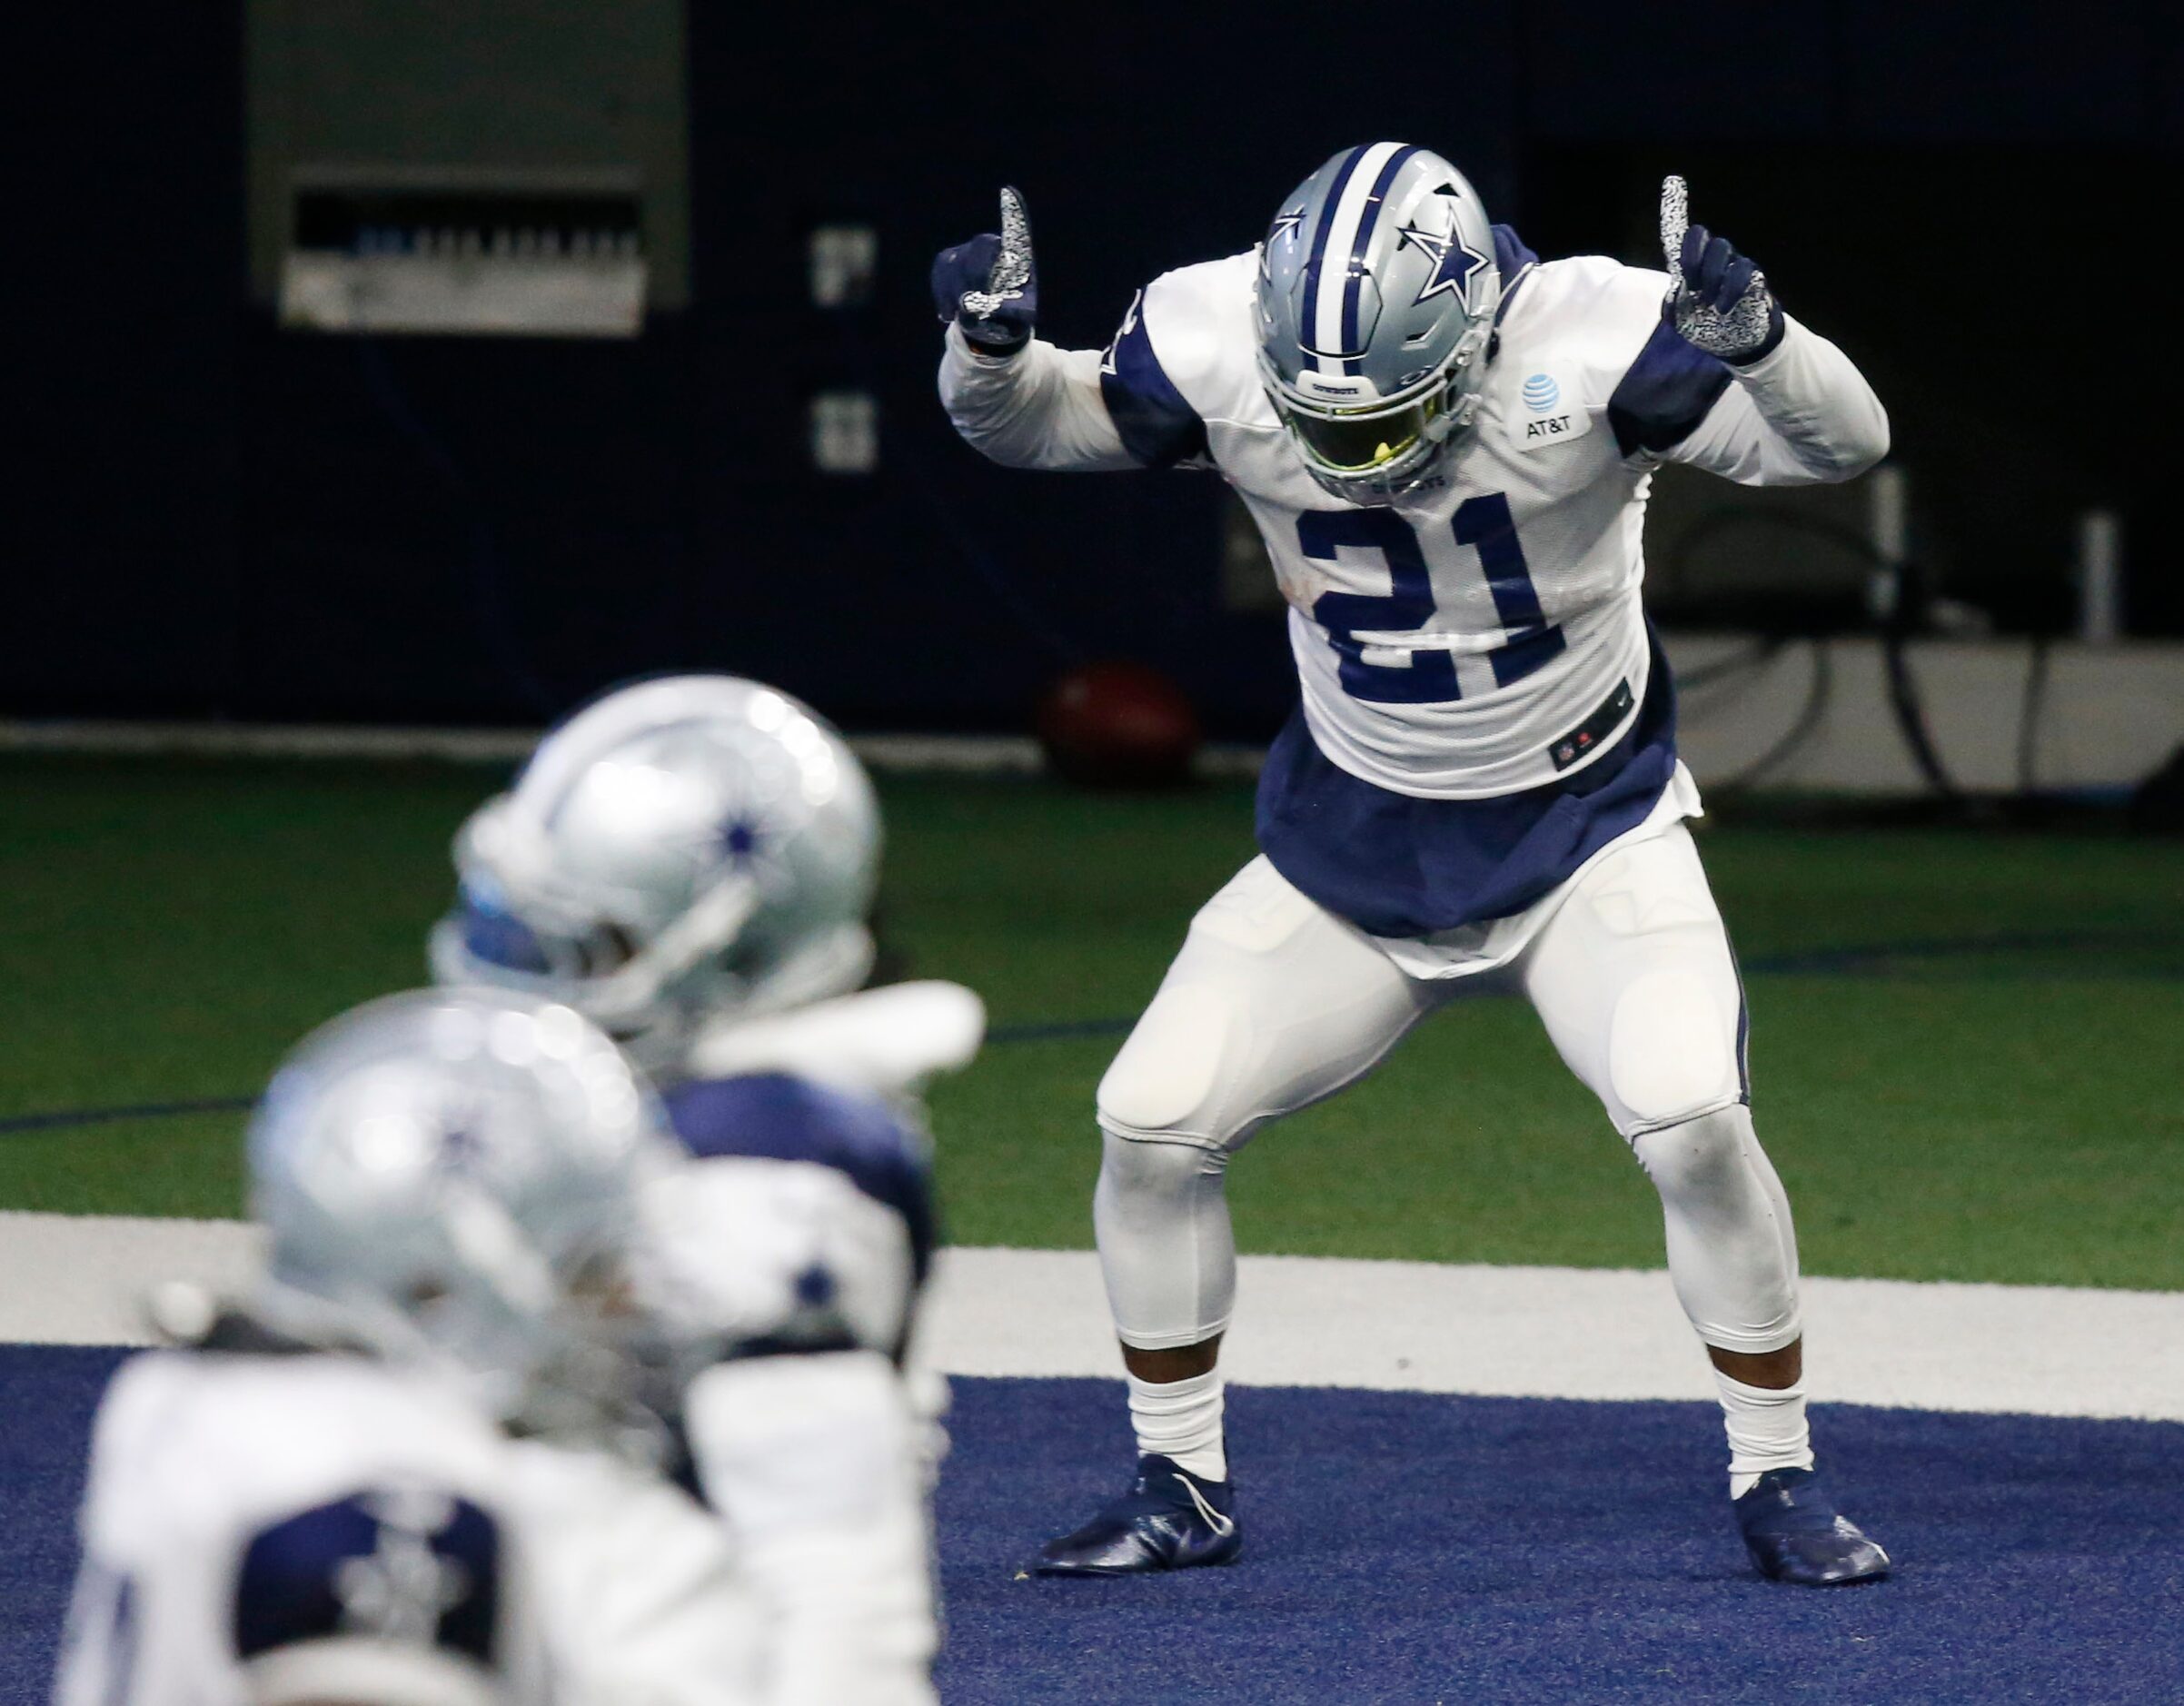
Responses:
[243,1507]
[1445,640]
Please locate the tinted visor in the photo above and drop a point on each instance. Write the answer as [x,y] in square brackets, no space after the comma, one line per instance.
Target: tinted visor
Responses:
[1357,441]
[497,936]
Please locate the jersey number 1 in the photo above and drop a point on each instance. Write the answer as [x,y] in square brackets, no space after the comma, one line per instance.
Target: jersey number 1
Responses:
[1430,677]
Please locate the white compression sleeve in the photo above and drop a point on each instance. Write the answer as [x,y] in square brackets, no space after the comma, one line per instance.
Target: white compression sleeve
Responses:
[1039,408]
[1801,414]
[1161,1216]
[1732,1253]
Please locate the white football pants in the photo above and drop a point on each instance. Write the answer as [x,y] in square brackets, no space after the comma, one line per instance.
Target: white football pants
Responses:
[1276,1003]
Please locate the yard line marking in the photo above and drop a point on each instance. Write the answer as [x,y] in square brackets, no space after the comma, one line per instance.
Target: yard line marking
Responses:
[61,1118]
[1316,1321]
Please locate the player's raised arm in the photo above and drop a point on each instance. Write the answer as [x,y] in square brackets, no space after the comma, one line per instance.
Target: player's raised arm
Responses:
[1013,397]
[1797,411]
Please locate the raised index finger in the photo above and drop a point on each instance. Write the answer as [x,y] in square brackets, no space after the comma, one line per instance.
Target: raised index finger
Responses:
[1675,215]
[1012,266]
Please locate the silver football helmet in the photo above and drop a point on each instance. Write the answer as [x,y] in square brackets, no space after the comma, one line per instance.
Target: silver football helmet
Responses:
[680,848]
[1376,299]
[450,1177]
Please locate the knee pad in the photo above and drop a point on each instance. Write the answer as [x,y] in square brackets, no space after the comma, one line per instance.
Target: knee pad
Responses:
[1165,1081]
[1672,1051]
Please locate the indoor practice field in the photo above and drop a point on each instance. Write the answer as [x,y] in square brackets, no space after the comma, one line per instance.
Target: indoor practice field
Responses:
[1964,1067]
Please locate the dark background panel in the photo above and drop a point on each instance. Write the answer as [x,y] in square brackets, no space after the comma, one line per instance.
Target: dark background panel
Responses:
[212,517]
[122,291]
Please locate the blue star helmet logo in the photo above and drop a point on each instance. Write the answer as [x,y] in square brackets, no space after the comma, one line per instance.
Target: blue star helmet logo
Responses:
[738,842]
[1285,225]
[1454,261]
[461,1144]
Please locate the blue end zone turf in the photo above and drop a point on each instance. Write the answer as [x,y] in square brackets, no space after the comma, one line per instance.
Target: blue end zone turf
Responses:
[46,1397]
[1409,1548]
[1401,1547]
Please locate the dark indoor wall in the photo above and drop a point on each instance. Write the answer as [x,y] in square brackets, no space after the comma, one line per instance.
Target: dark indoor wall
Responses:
[214,518]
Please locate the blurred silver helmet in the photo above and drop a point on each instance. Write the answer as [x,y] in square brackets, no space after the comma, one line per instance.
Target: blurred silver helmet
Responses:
[1376,297]
[679,848]
[450,1176]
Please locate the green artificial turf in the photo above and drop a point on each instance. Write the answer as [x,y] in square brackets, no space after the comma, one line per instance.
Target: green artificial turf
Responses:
[1965,1047]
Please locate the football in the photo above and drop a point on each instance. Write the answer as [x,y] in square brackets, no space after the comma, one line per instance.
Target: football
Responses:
[1119,724]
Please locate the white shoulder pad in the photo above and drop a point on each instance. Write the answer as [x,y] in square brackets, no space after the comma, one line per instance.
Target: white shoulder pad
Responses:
[885,1041]
[1586,315]
[1199,322]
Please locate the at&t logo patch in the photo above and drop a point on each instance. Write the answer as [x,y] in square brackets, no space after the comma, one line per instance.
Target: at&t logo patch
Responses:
[1547,416]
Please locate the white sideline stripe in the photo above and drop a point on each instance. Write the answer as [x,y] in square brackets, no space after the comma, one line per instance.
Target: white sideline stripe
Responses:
[978,755]
[80,1279]
[1313,1321]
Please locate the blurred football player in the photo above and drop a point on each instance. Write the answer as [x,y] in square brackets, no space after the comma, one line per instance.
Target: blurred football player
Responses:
[1447,443]
[314,1503]
[689,861]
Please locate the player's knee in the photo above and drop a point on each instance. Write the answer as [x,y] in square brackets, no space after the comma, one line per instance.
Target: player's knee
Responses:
[1672,1051]
[1138,1169]
[1701,1160]
[1163,1083]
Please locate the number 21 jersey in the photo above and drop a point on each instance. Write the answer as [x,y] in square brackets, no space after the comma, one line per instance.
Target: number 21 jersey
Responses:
[1481,635]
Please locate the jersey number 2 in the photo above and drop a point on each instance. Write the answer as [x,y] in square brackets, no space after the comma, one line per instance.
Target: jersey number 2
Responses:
[1430,677]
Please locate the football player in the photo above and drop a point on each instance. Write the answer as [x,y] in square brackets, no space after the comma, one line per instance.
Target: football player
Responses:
[314,1506]
[689,861]
[1447,443]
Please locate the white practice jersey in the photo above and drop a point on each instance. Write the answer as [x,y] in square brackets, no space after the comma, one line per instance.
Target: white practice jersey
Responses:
[1481,635]
[261,1529]
[795,1238]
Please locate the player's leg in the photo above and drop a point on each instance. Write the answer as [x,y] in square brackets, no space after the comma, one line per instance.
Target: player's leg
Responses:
[1272,1005]
[1635,983]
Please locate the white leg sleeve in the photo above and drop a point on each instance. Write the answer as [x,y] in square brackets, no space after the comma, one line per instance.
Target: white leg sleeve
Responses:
[1160,1217]
[1635,983]
[1273,1004]
[1730,1251]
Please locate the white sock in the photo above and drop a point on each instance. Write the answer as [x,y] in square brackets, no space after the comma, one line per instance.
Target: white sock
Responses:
[1766,1430]
[1181,1419]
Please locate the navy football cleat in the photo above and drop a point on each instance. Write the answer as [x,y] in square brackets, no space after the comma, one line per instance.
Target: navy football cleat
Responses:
[1168,1520]
[1796,1534]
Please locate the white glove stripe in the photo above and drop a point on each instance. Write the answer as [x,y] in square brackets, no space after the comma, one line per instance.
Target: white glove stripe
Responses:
[1675,219]
[1012,267]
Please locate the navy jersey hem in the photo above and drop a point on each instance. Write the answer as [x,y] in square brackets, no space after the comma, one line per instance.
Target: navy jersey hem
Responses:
[1397,866]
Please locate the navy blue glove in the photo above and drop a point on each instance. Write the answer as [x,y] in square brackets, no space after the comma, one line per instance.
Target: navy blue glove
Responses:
[988,285]
[1719,301]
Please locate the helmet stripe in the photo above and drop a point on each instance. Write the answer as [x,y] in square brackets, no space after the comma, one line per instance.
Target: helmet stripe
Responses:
[1354,274]
[1341,213]
[1330,212]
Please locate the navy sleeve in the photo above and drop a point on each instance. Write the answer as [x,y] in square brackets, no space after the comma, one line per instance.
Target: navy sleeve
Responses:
[775,1116]
[1158,427]
[1667,392]
[412,1566]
